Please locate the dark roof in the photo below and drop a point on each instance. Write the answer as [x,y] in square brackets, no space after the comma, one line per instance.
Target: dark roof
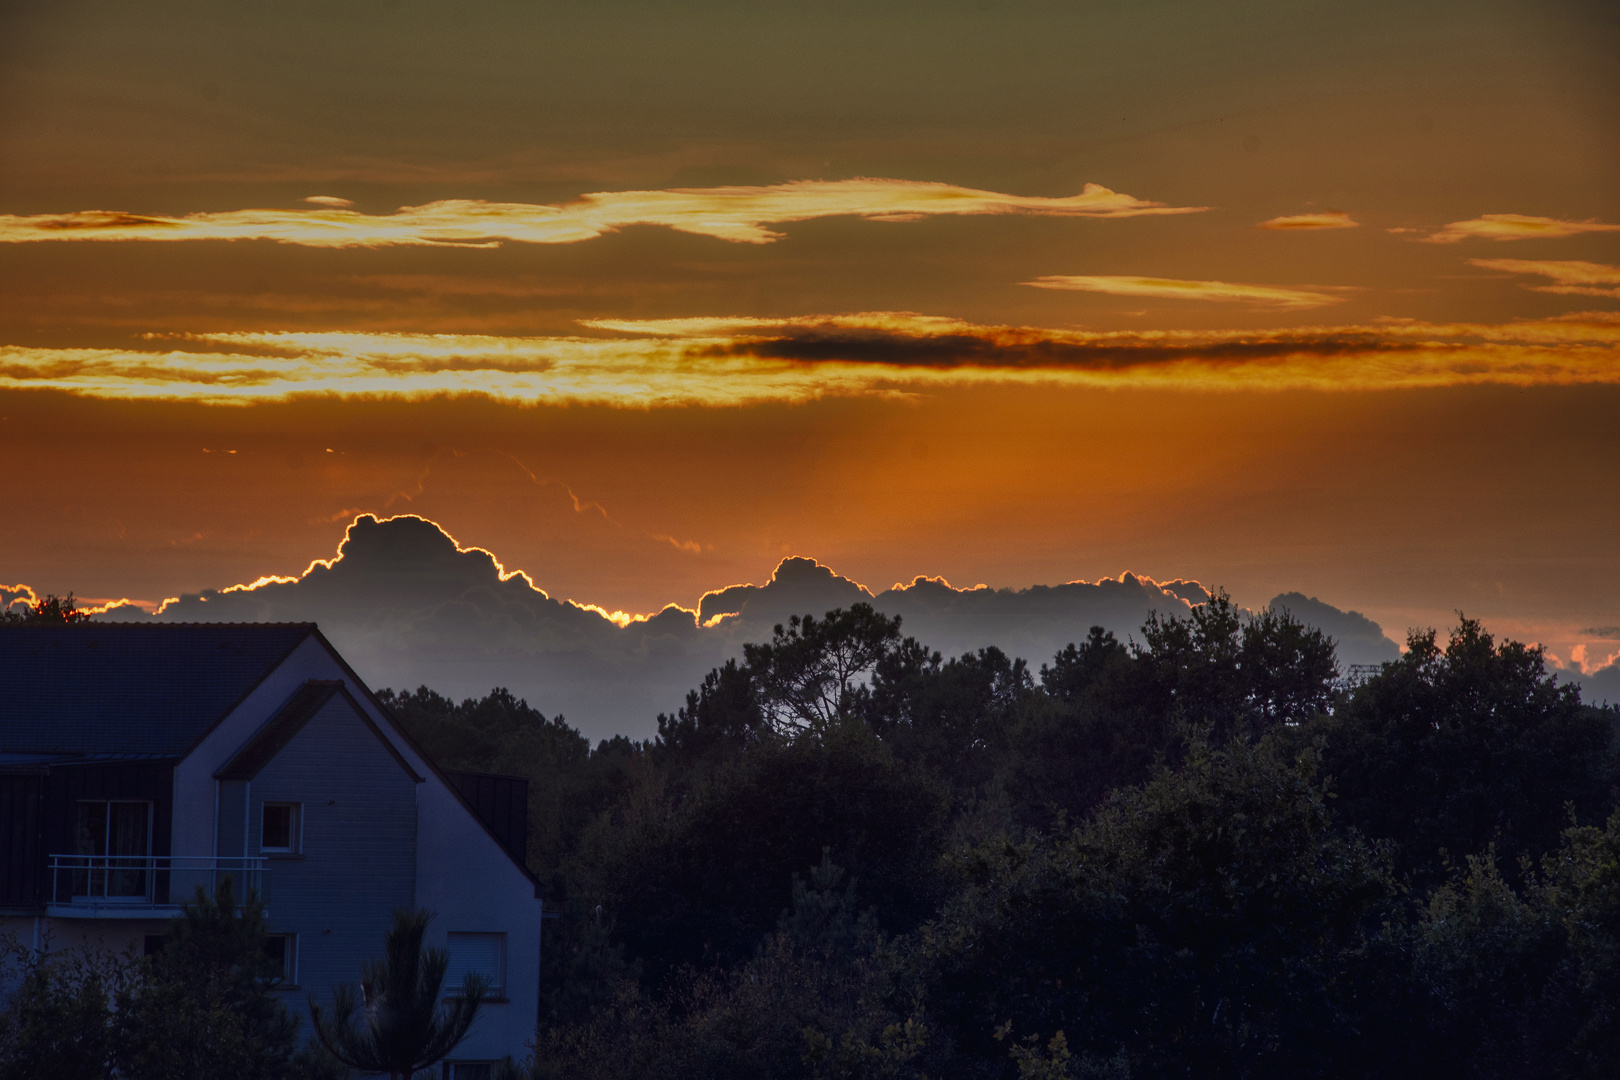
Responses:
[120,688]
[288,721]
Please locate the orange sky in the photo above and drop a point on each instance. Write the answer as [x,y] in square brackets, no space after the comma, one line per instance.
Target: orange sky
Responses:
[642,296]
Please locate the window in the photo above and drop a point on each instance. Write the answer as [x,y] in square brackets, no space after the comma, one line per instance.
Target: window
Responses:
[476,954]
[279,831]
[282,949]
[111,842]
[469,1070]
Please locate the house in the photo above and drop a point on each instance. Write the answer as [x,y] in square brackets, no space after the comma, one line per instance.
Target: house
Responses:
[140,762]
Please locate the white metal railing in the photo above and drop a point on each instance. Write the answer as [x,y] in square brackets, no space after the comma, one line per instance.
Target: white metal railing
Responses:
[149,880]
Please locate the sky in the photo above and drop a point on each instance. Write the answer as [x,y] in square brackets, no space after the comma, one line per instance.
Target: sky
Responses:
[645,297]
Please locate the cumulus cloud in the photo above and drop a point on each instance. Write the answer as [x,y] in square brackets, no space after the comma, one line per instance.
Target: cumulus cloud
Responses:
[739,361]
[1327,219]
[1177,289]
[20,596]
[1571,276]
[1360,640]
[408,605]
[329,200]
[737,214]
[1514,227]
[1600,687]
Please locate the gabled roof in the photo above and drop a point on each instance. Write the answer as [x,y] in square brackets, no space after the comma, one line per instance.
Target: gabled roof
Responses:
[121,688]
[288,721]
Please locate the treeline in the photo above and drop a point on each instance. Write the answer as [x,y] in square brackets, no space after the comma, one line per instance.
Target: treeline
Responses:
[200,1005]
[1201,854]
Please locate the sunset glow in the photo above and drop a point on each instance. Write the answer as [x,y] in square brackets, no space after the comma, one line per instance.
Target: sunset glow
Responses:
[1329,219]
[641,299]
[720,362]
[1515,227]
[1170,288]
[737,214]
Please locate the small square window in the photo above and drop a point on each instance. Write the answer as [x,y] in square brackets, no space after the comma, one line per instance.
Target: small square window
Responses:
[279,833]
[476,954]
[282,950]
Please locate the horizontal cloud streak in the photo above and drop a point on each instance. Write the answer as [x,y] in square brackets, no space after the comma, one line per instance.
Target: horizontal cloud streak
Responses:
[737,214]
[1329,219]
[1572,277]
[730,362]
[1177,289]
[1514,227]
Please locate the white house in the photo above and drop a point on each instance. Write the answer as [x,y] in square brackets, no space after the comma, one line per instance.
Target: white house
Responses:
[138,762]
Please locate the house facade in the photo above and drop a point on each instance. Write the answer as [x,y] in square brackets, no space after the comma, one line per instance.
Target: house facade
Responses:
[139,763]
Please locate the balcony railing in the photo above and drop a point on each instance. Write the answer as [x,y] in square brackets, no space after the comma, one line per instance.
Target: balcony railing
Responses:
[133,884]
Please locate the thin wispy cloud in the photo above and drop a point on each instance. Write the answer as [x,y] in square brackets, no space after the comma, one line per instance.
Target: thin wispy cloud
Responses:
[724,362]
[1572,277]
[1177,289]
[1514,227]
[1329,219]
[736,214]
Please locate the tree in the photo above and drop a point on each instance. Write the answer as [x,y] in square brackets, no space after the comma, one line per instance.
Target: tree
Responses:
[1098,726]
[950,717]
[51,610]
[824,997]
[701,878]
[720,718]
[1582,891]
[1465,746]
[404,1027]
[56,1020]
[206,1007]
[1207,924]
[1235,675]
[807,677]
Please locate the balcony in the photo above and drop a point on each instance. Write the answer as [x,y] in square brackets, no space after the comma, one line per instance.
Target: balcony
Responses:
[143,886]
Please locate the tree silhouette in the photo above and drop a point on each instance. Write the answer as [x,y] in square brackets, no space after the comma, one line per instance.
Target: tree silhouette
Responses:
[207,1007]
[404,1028]
[806,677]
[50,610]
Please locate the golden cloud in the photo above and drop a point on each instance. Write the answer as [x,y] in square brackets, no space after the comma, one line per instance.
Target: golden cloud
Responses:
[1514,227]
[1176,289]
[733,362]
[737,214]
[1569,276]
[1329,219]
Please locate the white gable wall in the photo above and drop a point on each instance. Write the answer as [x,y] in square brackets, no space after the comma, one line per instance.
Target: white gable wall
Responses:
[355,841]
[194,789]
[462,872]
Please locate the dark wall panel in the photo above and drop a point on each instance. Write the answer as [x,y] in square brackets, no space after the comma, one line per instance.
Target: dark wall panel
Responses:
[503,804]
[147,781]
[22,852]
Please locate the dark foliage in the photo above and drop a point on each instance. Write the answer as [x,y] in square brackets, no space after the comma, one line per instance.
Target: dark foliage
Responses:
[1447,751]
[398,1023]
[57,1022]
[201,1005]
[51,610]
[569,783]
[700,878]
[1205,924]
[1195,854]
[206,1007]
